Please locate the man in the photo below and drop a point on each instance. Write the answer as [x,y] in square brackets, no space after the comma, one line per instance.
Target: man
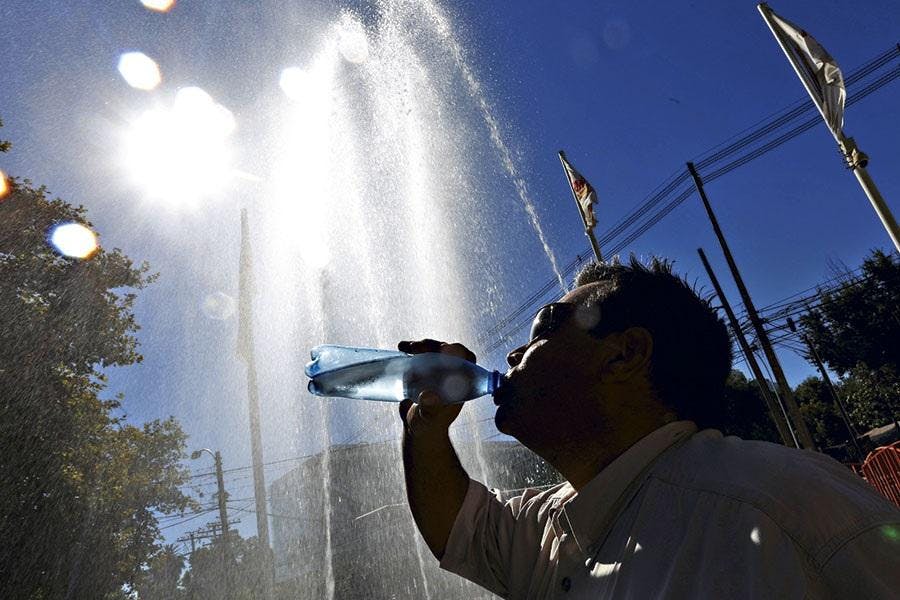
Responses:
[616,389]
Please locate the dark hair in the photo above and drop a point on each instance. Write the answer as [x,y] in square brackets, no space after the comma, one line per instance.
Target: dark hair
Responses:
[691,348]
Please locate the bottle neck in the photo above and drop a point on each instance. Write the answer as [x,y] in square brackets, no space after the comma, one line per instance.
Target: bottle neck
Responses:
[494,382]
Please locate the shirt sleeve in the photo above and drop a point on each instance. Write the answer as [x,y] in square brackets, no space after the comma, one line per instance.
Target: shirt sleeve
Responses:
[480,545]
[868,566]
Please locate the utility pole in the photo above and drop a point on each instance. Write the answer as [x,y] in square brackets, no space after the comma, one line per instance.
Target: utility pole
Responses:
[776,410]
[831,391]
[223,517]
[223,510]
[803,434]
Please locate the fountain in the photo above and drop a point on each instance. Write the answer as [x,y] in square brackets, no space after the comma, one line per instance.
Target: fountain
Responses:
[374,230]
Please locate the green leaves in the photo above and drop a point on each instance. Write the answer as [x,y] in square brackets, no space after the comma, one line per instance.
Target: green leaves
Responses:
[80,487]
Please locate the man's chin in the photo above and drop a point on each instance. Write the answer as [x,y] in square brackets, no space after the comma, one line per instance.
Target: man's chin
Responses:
[502,420]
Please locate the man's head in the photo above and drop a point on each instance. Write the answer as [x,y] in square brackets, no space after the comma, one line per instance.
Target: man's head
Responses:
[630,343]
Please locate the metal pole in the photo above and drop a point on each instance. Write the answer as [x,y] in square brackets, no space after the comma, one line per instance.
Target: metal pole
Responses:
[776,411]
[831,391]
[587,230]
[858,161]
[854,157]
[259,479]
[803,434]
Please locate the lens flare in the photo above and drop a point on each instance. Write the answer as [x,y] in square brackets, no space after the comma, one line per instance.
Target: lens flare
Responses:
[158,5]
[181,154]
[4,185]
[218,306]
[139,71]
[74,239]
[352,41]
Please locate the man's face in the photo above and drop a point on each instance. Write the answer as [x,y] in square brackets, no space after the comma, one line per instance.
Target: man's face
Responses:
[552,378]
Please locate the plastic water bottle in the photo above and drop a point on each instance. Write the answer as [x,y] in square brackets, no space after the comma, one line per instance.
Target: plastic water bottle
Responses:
[391,376]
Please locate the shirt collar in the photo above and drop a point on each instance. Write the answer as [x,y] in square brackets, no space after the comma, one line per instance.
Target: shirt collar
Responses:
[585,514]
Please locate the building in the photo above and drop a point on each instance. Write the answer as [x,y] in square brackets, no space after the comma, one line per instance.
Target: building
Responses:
[376,552]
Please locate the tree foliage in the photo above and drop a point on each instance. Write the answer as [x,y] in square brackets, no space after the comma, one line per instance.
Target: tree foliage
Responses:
[79,486]
[856,330]
[860,322]
[162,579]
[822,416]
[746,414]
[214,575]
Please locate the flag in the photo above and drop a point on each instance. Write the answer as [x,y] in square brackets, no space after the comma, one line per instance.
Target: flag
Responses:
[818,71]
[584,193]
[245,299]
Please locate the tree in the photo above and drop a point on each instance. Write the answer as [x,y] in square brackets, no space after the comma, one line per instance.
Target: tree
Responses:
[162,579]
[856,330]
[746,413]
[79,486]
[872,396]
[822,416]
[860,321]
[211,570]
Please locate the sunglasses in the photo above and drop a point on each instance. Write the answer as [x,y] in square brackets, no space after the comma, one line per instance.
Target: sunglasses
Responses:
[550,318]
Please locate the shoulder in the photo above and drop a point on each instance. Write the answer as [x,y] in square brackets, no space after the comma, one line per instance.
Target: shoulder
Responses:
[536,503]
[814,499]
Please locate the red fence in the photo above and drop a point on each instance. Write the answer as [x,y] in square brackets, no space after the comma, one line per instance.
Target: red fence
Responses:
[882,469]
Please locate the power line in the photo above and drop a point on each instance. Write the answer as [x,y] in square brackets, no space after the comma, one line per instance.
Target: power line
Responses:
[671,185]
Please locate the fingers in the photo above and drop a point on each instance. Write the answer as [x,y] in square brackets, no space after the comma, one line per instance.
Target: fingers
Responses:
[429,345]
[429,398]
[405,405]
[420,346]
[429,414]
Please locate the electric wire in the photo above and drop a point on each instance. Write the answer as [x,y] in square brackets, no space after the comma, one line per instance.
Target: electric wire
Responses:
[792,113]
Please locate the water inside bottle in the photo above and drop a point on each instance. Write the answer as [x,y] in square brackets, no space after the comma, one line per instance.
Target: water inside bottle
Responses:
[372,381]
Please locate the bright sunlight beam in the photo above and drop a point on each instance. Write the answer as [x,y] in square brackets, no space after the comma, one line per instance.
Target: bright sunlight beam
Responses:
[181,154]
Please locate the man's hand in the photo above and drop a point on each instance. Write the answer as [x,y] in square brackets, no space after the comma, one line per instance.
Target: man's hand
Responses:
[436,482]
[427,414]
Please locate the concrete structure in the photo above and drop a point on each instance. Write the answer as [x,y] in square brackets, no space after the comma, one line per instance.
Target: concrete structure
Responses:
[376,549]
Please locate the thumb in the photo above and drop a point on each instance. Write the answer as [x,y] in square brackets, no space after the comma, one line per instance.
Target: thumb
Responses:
[405,405]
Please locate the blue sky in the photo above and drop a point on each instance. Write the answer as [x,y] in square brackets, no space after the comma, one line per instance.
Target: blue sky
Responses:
[630,90]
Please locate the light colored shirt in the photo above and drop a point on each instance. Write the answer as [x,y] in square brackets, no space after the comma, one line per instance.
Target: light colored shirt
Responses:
[683,514]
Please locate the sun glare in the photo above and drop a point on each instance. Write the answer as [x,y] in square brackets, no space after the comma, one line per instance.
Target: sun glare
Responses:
[352,41]
[74,239]
[158,5]
[181,154]
[139,71]
[293,81]
[303,192]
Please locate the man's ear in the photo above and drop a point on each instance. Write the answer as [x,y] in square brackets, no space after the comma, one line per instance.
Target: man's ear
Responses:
[629,354]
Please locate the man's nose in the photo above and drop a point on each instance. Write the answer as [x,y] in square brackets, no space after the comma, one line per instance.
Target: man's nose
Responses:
[515,357]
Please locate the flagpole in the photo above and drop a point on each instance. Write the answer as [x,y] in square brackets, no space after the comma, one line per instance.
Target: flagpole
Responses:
[587,230]
[854,157]
[857,161]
